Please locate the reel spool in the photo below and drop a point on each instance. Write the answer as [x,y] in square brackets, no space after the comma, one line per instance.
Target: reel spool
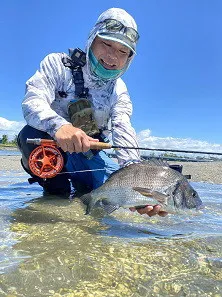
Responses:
[46,161]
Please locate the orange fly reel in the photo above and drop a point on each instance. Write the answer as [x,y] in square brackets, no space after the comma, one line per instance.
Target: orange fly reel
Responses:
[46,161]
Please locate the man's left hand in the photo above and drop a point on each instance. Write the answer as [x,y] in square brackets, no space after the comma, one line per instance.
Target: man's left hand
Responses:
[150,210]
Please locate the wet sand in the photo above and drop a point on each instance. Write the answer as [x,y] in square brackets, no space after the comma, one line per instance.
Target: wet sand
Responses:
[210,172]
[10,163]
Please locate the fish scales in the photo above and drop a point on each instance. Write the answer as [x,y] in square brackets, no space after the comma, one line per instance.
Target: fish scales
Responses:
[143,175]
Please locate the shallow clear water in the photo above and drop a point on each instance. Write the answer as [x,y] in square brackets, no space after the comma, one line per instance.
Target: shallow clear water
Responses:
[11,152]
[48,247]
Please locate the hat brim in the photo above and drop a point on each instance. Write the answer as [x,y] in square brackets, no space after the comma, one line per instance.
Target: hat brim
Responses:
[118,38]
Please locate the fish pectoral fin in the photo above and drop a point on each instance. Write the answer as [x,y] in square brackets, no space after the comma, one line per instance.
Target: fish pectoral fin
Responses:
[160,197]
[144,191]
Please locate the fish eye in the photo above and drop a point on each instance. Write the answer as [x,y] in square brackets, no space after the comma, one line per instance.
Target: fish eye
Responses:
[194,194]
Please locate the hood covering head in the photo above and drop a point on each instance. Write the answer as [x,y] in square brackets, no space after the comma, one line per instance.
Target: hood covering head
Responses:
[125,19]
[100,30]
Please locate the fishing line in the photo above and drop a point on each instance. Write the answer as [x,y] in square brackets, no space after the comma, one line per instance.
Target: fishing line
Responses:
[77,171]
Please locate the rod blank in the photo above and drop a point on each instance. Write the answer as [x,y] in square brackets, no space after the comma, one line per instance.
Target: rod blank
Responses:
[103,145]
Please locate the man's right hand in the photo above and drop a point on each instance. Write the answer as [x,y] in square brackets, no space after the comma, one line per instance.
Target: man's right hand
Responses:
[72,139]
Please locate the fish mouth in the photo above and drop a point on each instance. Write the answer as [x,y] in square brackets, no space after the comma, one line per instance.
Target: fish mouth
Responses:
[200,207]
[191,210]
[186,208]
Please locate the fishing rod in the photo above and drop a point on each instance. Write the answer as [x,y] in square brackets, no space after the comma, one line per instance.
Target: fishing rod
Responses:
[46,160]
[166,150]
[103,145]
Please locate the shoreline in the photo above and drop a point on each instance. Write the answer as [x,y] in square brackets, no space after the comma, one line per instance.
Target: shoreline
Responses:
[210,172]
[5,147]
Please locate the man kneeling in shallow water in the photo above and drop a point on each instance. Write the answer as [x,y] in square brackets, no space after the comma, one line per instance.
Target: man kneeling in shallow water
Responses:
[72,98]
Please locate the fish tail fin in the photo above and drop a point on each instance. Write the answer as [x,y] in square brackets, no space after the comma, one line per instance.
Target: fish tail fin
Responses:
[90,203]
[87,200]
[88,209]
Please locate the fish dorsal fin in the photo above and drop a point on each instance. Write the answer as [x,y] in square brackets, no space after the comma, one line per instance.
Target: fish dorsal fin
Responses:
[160,197]
[156,162]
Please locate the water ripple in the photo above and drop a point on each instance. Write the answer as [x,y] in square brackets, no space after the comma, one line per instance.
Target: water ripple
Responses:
[48,247]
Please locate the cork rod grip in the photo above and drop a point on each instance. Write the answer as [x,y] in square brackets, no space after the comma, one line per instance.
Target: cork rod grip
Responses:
[99,145]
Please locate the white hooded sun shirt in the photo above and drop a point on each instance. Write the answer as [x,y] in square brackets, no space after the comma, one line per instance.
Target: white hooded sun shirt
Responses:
[45,110]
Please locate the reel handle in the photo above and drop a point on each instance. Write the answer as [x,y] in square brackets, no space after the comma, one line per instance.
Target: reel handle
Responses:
[40,141]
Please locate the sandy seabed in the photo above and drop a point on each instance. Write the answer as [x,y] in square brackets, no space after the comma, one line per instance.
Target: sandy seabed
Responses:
[210,172]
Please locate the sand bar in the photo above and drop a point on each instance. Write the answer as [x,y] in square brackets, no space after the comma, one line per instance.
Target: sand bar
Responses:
[210,172]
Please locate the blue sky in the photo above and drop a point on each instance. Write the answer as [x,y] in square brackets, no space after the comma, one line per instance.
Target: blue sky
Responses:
[175,81]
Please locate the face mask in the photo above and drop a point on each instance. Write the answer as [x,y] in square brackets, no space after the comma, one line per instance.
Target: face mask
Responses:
[101,71]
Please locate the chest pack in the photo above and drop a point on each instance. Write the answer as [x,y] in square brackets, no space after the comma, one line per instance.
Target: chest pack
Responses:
[80,109]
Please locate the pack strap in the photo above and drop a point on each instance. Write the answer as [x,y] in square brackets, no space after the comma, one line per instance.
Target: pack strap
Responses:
[75,62]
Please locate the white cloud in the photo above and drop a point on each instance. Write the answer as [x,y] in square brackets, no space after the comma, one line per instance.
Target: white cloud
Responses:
[145,139]
[10,128]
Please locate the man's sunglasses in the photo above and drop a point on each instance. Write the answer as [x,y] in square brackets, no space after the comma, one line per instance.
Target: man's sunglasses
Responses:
[113,25]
